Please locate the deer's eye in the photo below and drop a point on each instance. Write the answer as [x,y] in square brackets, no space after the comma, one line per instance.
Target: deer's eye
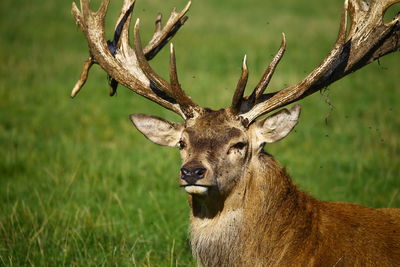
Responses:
[237,146]
[181,144]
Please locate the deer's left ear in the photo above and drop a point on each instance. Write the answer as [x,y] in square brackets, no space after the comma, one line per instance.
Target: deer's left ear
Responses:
[275,127]
[157,130]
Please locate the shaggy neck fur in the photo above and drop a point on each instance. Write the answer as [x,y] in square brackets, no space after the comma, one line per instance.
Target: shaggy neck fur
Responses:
[264,208]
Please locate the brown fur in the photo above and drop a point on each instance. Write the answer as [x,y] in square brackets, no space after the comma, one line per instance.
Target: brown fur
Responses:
[268,222]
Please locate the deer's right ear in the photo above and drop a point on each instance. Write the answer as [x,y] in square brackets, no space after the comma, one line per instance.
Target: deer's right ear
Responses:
[158,130]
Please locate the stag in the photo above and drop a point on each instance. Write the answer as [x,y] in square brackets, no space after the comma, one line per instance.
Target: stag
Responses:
[245,210]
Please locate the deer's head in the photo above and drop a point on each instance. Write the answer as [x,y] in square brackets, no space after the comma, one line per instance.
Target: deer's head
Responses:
[216,146]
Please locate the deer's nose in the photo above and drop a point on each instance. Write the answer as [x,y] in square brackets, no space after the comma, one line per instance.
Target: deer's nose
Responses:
[199,172]
[191,175]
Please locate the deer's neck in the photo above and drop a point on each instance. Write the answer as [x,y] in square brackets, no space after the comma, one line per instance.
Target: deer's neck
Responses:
[278,217]
[265,215]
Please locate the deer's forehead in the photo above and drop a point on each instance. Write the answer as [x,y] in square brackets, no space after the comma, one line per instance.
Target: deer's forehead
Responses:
[212,137]
[213,129]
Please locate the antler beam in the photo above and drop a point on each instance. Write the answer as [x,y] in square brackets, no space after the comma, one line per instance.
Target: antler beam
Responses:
[367,39]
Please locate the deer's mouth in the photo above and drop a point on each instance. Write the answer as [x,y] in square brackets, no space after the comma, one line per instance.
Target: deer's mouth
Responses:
[196,189]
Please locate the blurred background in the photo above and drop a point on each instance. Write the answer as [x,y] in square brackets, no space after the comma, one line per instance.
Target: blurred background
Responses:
[80,186]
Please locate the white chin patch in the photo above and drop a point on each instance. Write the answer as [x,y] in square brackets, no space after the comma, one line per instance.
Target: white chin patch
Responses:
[194,189]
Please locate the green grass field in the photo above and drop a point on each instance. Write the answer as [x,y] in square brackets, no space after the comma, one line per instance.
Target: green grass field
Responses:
[80,186]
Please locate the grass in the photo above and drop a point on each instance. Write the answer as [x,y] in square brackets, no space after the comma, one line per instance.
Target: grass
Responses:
[80,187]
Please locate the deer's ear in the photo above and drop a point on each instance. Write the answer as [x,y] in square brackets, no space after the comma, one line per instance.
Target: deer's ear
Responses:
[275,127]
[158,130]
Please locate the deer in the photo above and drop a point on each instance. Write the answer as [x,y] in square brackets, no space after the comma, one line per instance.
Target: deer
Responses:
[244,208]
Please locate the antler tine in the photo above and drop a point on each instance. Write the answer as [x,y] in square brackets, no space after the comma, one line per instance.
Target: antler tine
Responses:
[126,9]
[341,38]
[144,65]
[162,35]
[117,57]
[241,86]
[173,89]
[158,23]
[389,3]
[187,105]
[102,11]
[368,39]
[269,71]
[241,104]
[77,15]
[84,75]
[85,7]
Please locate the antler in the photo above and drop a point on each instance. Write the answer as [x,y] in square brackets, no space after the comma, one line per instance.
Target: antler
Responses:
[127,65]
[367,39]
